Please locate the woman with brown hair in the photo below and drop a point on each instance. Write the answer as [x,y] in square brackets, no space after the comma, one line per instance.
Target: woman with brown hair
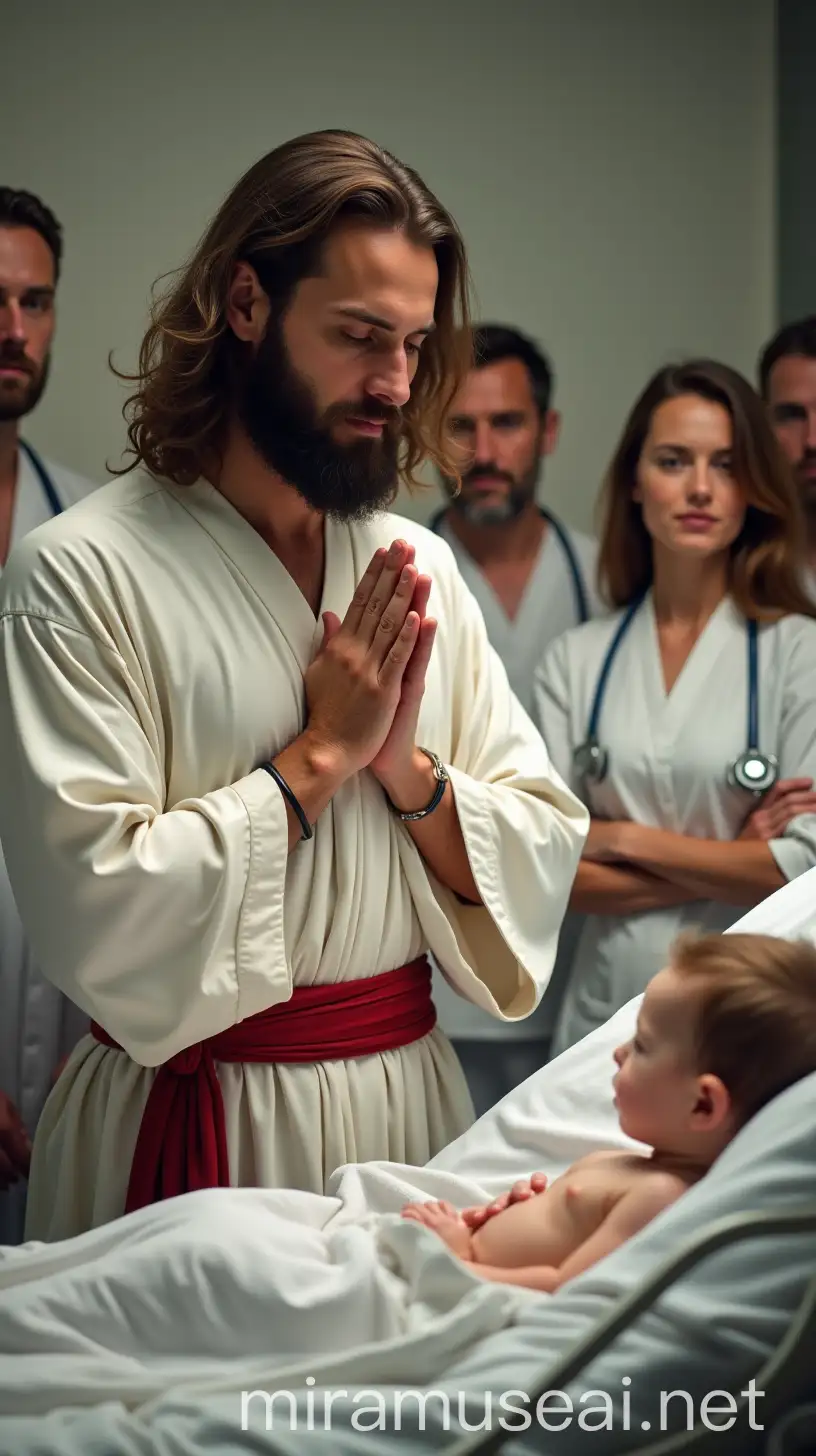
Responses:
[687,719]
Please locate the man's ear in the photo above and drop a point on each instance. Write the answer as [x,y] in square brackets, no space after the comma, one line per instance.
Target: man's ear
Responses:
[247,304]
[713,1105]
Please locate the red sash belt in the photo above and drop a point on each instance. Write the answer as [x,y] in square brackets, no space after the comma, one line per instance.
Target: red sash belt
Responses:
[182,1141]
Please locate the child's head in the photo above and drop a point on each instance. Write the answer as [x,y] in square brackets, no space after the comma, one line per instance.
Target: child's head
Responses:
[729,1023]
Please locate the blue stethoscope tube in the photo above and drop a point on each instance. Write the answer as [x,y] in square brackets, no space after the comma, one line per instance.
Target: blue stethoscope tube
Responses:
[44,478]
[579,589]
[753,770]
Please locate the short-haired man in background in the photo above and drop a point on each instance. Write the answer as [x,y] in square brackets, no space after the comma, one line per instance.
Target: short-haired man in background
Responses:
[787,379]
[38,1026]
[533,577]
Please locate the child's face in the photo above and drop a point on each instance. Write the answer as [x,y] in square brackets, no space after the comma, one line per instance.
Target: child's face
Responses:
[657,1086]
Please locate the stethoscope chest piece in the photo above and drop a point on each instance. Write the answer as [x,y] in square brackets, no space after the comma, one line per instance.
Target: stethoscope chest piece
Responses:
[754,771]
[591,761]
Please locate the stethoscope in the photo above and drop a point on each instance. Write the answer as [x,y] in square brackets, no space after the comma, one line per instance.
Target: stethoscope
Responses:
[44,478]
[581,604]
[753,770]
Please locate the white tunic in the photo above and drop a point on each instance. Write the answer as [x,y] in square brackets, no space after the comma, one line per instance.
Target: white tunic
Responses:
[548,608]
[668,763]
[152,654]
[38,1025]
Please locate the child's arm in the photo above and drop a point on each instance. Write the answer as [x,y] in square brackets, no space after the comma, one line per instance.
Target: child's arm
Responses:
[537,1276]
[630,1214]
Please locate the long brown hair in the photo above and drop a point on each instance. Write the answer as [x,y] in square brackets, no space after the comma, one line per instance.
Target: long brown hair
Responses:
[766,557]
[277,219]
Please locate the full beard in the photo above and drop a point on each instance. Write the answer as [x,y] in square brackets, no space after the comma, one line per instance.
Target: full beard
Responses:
[278,411]
[498,514]
[494,513]
[19,399]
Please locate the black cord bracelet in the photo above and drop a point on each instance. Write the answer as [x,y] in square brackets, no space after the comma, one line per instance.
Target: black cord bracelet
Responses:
[287,793]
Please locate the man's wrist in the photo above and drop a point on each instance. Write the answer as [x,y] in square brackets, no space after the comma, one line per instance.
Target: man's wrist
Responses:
[411,789]
[323,761]
[309,772]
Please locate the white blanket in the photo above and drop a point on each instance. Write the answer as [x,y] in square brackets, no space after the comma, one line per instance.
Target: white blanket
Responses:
[139,1338]
[229,1285]
[276,1285]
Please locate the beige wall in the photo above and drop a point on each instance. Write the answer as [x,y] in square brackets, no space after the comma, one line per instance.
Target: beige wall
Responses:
[610,163]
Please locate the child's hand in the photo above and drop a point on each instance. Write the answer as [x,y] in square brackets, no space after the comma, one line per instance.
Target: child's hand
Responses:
[419,1211]
[519,1193]
[443,1218]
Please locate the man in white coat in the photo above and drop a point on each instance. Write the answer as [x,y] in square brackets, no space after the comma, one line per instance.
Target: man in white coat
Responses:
[254,782]
[532,575]
[534,578]
[787,381]
[38,1025]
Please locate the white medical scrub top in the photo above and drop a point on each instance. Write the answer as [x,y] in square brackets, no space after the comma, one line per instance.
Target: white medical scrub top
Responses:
[669,755]
[38,1025]
[548,607]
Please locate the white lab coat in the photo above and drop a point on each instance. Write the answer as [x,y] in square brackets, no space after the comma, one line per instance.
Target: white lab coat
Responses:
[668,761]
[38,1025]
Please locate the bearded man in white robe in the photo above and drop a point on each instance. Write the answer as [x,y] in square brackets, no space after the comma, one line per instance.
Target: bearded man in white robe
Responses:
[259,759]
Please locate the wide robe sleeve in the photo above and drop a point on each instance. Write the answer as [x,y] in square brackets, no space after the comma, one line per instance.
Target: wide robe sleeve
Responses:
[154,922]
[523,828]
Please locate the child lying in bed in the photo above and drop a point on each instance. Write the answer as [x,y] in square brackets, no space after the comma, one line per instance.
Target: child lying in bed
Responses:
[728,1024]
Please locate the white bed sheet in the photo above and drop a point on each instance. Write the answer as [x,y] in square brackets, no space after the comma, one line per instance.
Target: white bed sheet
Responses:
[352,1300]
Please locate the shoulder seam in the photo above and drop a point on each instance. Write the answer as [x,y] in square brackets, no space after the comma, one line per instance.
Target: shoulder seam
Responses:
[35,616]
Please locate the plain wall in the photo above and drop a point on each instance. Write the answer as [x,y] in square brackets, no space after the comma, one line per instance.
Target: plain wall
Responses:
[796,132]
[611,164]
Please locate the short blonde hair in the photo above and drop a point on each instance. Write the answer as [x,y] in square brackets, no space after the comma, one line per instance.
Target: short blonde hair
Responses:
[756,1022]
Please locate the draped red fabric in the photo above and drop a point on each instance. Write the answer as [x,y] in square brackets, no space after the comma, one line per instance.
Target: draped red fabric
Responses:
[182,1140]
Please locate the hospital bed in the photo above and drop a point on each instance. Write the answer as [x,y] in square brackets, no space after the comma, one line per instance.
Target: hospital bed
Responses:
[718,1291]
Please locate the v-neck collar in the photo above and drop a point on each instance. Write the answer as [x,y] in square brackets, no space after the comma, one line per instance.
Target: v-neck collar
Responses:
[544,563]
[701,660]
[264,571]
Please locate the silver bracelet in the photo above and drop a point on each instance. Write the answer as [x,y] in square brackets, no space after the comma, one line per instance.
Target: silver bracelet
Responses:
[442,778]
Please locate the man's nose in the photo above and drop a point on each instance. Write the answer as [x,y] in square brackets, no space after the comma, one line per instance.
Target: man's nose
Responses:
[12,322]
[391,383]
[484,445]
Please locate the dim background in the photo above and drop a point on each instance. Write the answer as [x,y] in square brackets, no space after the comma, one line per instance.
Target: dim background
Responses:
[634,178]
